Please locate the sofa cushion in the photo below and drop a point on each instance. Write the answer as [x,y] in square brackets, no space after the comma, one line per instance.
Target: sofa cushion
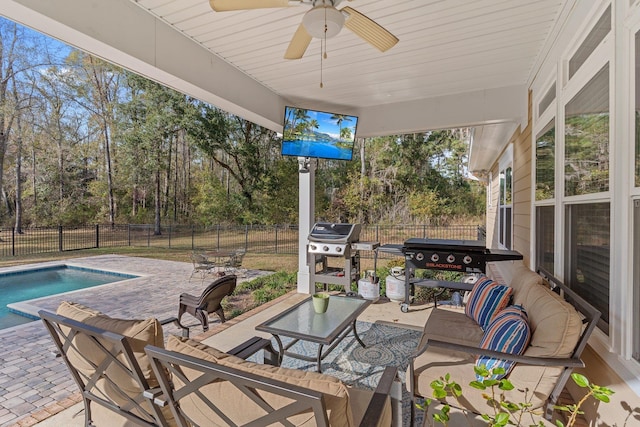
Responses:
[508,332]
[522,280]
[486,300]
[460,329]
[337,395]
[555,324]
[436,362]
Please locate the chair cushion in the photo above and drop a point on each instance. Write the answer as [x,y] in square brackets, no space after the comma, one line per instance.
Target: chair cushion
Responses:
[139,333]
[486,300]
[233,402]
[508,332]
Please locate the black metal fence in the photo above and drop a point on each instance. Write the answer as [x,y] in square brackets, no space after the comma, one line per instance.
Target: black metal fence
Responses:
[276,239]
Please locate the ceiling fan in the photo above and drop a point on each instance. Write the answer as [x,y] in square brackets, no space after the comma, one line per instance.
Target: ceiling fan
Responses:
[322,21]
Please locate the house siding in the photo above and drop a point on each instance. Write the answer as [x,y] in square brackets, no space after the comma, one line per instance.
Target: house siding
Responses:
[521,140]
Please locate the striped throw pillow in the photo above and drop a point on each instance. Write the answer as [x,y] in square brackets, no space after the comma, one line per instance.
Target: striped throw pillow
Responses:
[486,300]
[509,333]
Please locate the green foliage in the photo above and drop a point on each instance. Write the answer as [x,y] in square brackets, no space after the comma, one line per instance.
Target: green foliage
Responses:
[505,412]
[269,287]
[602,394]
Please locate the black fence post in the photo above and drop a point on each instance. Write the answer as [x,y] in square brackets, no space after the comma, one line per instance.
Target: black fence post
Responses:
[60,238]
[246,237]
[97,235]
[148,235]
[169,236]
[193,236]
[129,234]
[276,238]
[217,237]
[13,241]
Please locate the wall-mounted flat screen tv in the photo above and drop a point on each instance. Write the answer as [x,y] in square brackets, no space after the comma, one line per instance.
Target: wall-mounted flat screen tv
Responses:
[310,133]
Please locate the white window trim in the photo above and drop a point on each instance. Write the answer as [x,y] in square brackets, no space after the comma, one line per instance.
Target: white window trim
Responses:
[505,162]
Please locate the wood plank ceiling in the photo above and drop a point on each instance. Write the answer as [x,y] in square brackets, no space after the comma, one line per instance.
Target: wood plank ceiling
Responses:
[446,47]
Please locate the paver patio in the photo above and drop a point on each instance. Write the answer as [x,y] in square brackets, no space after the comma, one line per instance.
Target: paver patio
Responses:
[32,379]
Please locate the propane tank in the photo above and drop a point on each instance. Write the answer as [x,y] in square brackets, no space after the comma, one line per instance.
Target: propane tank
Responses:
[369,286]
[395,284]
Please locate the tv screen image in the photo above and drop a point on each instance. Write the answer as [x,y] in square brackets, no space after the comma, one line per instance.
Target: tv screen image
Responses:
[310,133]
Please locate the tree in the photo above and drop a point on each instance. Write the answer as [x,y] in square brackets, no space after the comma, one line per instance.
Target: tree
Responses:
[95,86]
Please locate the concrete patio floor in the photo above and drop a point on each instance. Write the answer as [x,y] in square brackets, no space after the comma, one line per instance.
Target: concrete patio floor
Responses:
[35,388]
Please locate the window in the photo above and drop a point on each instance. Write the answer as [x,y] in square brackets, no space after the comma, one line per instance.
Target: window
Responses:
[547,100]
[588,255]
[505,206]
[545,161]
[586,156]
[591,42]
[545,229]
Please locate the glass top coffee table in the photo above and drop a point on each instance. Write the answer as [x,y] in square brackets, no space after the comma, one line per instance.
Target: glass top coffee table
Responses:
[301,322]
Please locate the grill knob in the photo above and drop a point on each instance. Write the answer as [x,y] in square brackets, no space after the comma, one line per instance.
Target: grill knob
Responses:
[325,248]
[338,249]
[467,259]
[313,247]
[419,256]
[435,257]
[451,258]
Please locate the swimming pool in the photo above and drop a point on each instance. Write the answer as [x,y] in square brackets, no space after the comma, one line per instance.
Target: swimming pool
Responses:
[36,283]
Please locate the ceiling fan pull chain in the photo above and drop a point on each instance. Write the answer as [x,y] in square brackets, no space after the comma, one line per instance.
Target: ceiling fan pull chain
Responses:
[321,57]
[323,47]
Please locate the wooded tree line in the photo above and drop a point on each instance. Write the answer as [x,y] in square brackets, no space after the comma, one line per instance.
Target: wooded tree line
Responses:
[83,141]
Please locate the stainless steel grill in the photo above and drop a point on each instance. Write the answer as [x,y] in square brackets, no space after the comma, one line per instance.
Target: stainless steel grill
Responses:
[338,243]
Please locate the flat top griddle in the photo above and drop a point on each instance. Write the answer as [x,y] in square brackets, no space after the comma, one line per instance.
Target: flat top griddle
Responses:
[444,245]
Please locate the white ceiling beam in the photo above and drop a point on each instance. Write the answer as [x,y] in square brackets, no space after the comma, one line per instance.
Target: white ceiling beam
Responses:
[500,105]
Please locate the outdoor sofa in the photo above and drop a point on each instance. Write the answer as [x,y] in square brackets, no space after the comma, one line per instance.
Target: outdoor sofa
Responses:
[127,377]
[558,323]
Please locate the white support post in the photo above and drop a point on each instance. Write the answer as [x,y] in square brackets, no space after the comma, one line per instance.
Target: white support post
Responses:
[306,214]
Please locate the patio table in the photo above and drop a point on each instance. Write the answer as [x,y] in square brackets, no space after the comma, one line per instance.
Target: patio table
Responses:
[301,322]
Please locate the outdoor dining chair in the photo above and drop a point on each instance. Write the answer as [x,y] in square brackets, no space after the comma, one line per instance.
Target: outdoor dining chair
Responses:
[201,265]
[210,301]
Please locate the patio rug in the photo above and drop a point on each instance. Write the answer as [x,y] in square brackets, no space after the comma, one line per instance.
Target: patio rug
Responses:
[362,367]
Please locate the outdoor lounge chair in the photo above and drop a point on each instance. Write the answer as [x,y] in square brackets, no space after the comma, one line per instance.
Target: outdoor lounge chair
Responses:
[107,361]
[560,322]
[204,386]
[209,302]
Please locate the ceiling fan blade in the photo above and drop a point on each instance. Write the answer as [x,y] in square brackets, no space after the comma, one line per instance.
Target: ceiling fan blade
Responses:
[369,30]
[299,43]
[228,5]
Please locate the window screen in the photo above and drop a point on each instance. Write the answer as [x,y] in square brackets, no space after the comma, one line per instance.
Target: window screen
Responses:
[545,161]
[586,152]
[545,228]
[588,255]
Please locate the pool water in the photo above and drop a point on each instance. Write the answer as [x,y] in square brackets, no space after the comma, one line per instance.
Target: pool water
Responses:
[29,284]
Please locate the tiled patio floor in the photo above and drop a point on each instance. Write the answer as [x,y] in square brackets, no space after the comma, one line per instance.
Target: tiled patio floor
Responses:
[32,379]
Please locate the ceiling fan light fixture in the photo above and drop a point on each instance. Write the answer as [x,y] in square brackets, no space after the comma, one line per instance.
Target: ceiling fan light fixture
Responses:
[314,21]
